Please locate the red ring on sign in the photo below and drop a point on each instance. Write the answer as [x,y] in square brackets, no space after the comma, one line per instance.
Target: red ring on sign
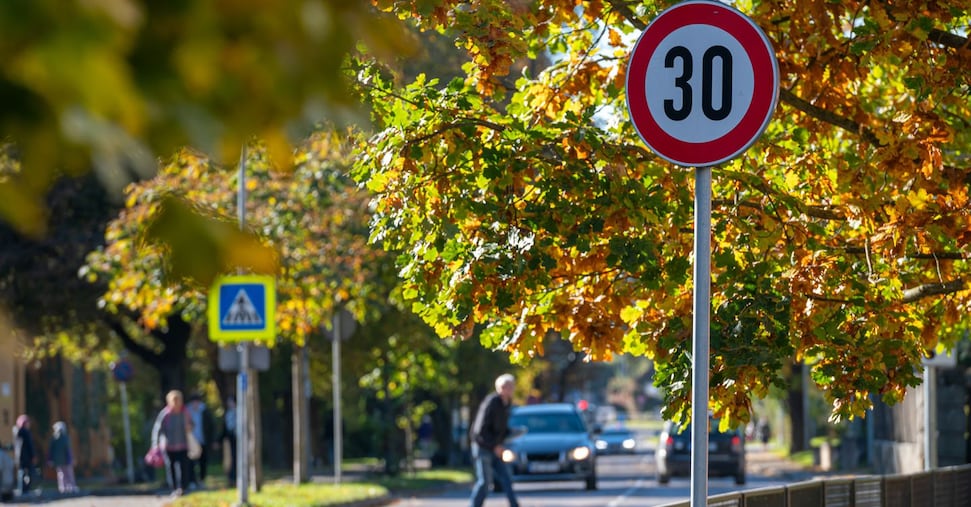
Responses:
[764,94]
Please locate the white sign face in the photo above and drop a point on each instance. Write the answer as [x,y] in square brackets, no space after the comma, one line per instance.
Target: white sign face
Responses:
[727,84]
[702,83]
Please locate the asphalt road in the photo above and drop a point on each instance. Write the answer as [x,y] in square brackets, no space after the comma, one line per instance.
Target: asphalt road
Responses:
[623,481]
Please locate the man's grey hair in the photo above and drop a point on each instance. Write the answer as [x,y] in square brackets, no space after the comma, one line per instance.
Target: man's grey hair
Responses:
[504,379]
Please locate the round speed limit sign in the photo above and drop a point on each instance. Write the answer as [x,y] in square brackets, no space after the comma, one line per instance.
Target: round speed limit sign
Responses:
[702,83]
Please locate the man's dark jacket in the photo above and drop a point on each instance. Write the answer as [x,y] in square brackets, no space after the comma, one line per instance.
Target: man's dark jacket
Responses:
[491,425]
[24,448]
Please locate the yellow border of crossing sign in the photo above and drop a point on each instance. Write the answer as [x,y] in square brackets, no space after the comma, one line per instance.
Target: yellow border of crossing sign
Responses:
[242,308]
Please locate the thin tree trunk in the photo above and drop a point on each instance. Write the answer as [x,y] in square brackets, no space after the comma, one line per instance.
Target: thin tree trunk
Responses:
[797,409]
[300,419]
[255,429]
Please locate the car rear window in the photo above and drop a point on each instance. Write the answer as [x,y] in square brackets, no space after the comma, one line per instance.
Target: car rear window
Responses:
[713,430]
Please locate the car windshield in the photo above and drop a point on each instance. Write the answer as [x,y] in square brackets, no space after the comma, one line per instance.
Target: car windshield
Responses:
[547,423]
[616,432]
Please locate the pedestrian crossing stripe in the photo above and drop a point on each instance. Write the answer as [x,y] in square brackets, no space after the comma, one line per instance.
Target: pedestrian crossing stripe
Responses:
[242,308]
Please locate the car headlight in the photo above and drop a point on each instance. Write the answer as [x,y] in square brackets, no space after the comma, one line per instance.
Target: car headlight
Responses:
[508,456]
[601,444]
[580,453]
[629,443]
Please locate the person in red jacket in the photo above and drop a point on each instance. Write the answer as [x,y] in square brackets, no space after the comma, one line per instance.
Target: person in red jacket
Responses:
[489,431]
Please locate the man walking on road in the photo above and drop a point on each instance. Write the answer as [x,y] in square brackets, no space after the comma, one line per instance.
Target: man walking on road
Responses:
[490,429]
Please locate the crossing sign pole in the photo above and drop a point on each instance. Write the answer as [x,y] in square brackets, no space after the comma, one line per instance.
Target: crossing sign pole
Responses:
[241,309]
[242,388]
[702,83]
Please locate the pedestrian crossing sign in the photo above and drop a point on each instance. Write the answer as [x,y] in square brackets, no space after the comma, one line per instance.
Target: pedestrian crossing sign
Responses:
[242,308]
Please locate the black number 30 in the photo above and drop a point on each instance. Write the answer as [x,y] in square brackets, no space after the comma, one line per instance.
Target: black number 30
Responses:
[707,86]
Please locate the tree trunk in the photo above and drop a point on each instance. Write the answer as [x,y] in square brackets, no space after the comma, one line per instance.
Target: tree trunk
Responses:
[390,448]
[255,431]
[795,402]
[300,417]
[172,373]
[172,362]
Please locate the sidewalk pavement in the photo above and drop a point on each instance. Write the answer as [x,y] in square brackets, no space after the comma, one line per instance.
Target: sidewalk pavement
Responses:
[770,462]
[100,497]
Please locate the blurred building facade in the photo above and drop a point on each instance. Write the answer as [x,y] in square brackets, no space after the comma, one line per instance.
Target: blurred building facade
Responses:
[12,392]
[53,390]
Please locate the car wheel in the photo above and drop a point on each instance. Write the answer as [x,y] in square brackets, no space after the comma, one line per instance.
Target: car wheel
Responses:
[740,478]
[591,483]
[6,497]
[663,478]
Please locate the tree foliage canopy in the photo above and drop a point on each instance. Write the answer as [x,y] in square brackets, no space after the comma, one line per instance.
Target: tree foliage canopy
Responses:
[310,227]
[527,202]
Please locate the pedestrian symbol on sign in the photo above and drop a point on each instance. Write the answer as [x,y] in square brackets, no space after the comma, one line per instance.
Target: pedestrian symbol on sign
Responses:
[242,311]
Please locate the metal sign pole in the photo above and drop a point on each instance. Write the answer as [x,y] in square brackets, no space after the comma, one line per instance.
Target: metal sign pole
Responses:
[700,344]
[930,421]
[129,466]
[242,382]
[338,436]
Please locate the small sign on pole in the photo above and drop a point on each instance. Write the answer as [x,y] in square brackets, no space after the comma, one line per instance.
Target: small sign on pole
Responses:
[230,359]
[123,372]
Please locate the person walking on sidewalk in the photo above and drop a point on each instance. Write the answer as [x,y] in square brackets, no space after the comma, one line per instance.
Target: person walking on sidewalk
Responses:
[25,452]
[489,431]
[59,456]
[202,430]
[229,438]
[764,431]
[171,435]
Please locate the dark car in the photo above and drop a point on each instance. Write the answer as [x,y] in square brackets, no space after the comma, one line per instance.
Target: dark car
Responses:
[726,453]
[552,442]
[616,441]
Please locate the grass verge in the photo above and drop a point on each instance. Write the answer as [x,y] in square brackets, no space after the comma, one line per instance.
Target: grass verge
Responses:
[423,480]
[286,494]
[804,458]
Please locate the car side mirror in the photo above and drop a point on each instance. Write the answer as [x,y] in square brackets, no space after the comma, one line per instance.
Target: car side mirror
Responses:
[597,429]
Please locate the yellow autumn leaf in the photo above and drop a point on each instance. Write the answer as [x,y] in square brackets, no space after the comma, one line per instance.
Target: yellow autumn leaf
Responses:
[918,199]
